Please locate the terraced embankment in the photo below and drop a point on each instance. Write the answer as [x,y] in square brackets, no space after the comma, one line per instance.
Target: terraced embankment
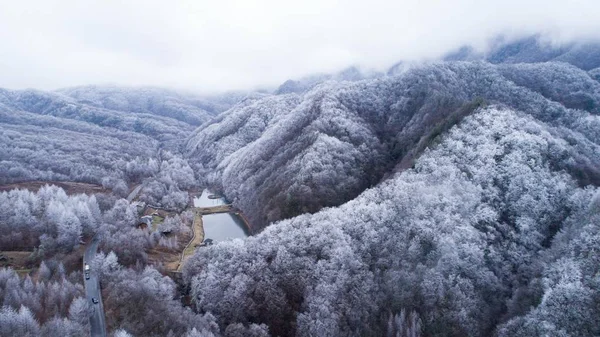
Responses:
[196,240]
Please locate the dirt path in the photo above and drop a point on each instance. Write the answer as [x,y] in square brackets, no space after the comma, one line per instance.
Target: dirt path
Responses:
[215,209]
[70,187]
[196,240]
[134,193]
[18,260]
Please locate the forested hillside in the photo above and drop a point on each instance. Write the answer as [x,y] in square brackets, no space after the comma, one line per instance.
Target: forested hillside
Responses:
[285,155]
[487,234]
[49,299]
[86,134]
[467,193]
[450,198]
[187,108]
[109,136]
[305,84]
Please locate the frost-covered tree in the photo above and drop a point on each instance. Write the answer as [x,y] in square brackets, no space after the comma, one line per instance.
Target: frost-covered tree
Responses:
[458,241]
[18,323]
[49,219]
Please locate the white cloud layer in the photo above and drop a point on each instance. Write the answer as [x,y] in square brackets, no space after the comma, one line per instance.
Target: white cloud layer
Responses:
[220,45]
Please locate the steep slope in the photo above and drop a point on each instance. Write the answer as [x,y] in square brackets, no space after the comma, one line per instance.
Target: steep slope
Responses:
[556,82]
[280,156]
[463,244]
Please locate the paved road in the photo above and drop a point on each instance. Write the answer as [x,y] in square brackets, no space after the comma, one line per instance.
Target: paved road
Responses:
[92,290]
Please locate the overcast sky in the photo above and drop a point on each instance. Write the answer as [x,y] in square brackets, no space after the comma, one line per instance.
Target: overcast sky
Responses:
[219,45]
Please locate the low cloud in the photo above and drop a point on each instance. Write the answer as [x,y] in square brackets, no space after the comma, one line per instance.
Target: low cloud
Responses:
[215,46]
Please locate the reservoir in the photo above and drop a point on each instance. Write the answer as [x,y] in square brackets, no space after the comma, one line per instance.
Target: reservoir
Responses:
[221,226]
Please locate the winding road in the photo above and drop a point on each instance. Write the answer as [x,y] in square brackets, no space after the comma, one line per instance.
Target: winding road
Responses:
[92,290]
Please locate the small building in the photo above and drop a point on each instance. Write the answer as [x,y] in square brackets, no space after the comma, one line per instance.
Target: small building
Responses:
[145,222]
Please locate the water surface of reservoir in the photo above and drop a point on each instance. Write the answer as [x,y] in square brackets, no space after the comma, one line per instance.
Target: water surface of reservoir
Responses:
[221,226]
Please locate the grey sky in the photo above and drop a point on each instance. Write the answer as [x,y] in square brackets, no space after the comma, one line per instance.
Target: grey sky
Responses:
[235,44]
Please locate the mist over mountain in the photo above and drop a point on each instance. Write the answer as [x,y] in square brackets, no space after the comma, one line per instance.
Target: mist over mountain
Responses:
[584,55]
[452,197]
[305,84]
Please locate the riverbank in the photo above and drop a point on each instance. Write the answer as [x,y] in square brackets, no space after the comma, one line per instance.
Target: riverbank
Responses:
[245,221]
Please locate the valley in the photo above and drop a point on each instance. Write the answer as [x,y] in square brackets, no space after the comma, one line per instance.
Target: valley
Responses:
[457,196]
